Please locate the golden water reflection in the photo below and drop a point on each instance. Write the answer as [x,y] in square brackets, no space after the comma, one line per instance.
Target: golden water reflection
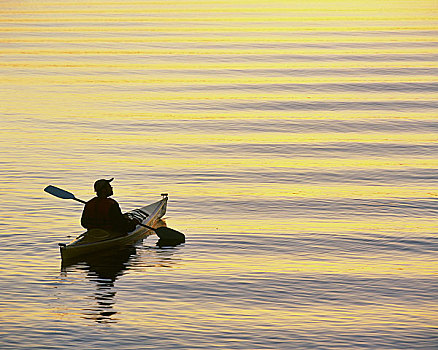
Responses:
[290,232]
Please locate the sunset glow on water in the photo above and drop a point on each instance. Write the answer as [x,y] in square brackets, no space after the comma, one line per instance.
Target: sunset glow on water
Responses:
[297,142]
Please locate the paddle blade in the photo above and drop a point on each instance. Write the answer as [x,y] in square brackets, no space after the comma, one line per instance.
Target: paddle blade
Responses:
[57,192]
[168,234]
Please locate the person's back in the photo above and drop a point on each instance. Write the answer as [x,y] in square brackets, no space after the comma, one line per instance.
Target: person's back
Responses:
[97,213]
[104,213]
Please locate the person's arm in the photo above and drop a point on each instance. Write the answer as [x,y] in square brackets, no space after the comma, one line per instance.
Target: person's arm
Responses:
[84,217]
[116,214]
[120,221]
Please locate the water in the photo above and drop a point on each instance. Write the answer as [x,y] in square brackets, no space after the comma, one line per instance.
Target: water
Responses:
[297,142]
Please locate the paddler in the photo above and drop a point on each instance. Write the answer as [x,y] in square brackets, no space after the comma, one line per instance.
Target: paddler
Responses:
[104,212]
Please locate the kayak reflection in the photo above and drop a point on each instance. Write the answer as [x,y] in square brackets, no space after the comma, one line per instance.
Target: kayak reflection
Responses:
[105,269]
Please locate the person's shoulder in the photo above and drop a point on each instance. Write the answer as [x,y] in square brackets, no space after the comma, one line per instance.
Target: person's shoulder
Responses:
[106,200]
[112,201]
[92,200]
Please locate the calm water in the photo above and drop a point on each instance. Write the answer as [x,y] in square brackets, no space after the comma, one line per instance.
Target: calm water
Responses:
[297,142]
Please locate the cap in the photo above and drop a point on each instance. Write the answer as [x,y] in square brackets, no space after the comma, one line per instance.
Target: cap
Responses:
[99,184]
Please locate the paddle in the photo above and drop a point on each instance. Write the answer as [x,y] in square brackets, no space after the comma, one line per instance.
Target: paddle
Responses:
[165,233]
[57,192]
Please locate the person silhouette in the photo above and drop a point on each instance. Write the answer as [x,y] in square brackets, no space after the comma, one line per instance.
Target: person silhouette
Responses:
[104,213]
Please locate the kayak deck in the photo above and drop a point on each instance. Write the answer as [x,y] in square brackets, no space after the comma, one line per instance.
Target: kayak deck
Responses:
[98,240]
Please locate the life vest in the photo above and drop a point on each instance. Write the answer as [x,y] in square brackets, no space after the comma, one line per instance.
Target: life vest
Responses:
[97,213]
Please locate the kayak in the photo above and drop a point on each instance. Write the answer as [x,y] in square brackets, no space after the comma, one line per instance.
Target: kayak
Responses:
[97,240]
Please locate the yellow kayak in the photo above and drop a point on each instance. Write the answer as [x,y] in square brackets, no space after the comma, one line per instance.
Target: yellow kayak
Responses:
[95,240]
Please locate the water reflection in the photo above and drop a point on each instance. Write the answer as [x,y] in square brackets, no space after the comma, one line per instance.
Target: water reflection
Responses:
[106,268]
[103,269]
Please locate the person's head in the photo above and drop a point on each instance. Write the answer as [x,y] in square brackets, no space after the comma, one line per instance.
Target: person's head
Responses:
[103,188]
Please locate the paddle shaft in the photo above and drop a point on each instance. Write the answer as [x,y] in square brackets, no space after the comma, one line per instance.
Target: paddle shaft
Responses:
[79,200]
[149,227]
[162,232]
